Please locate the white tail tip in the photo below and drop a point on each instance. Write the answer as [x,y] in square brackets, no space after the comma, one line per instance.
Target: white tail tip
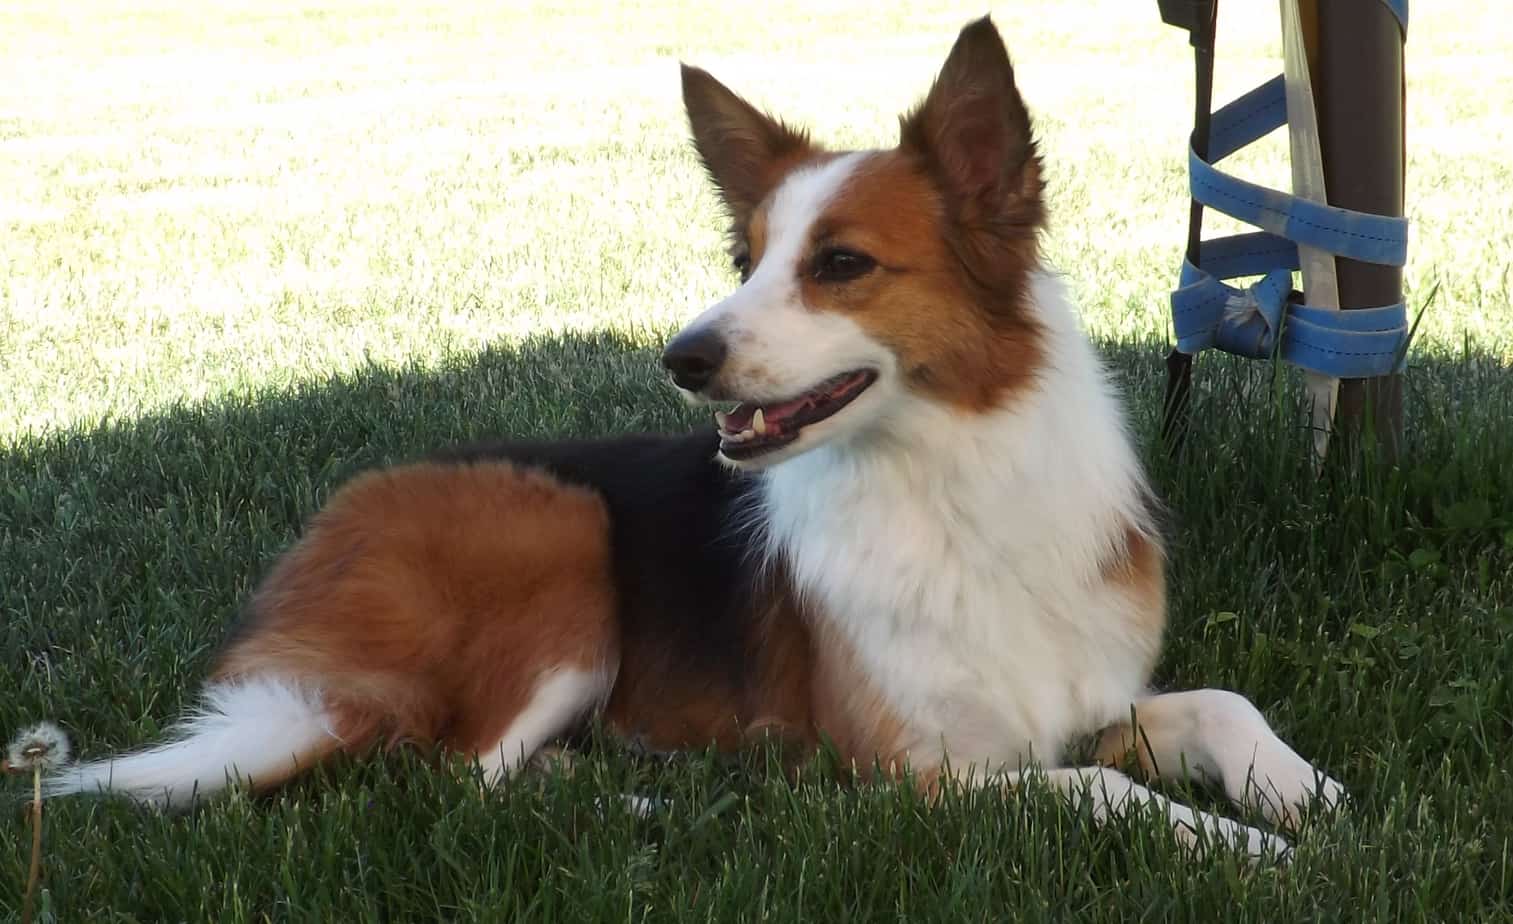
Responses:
[253,729]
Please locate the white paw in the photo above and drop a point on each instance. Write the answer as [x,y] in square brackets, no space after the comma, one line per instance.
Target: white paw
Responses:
[1258,846]
[1262,846]
[1283,795]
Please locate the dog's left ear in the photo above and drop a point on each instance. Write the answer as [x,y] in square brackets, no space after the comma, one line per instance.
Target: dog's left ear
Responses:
[974,132]
[745,151]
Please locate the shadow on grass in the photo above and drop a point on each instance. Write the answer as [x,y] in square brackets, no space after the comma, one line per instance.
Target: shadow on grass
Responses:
[128,546]
[1365,612]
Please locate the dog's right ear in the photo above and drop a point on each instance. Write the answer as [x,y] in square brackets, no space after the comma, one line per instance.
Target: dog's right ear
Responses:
[745,151]
[973,131]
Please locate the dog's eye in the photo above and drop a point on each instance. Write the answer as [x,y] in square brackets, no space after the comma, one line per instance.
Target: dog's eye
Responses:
[742,263]
[837,265]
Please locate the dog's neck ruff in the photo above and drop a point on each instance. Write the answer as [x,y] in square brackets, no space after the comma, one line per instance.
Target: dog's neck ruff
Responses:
[1053,469]
[945,547]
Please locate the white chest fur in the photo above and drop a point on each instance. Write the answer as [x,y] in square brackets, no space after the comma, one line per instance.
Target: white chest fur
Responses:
[960,557]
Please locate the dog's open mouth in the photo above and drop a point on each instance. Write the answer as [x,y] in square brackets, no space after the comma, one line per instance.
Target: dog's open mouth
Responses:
[749,429]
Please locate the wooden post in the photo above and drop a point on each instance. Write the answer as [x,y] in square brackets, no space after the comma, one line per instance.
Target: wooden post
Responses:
[1356,59]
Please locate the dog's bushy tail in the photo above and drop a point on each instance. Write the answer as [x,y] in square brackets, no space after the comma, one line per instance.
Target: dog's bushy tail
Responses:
[260,730]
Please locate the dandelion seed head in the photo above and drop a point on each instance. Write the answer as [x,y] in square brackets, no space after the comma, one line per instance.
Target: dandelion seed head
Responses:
[43,746]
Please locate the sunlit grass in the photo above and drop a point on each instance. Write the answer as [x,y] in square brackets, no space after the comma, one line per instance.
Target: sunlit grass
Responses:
[202,203]
[251,250]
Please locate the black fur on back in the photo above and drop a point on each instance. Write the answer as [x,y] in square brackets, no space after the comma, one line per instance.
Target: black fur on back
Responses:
[683,568]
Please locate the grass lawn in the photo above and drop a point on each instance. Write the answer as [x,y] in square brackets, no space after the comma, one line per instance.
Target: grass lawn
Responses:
[250,252]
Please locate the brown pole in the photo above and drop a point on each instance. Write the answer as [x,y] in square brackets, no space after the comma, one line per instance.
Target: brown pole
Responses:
[1357,70]
[1199,18]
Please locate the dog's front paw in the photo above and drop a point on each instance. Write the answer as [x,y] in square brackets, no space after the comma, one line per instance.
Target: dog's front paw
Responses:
[1285,794]
[1256,845]
[1264,846]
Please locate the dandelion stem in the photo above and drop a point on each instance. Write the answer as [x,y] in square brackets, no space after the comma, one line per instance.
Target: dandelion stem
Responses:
[35,874]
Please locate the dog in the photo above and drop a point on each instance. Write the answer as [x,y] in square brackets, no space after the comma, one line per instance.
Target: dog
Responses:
[921,534]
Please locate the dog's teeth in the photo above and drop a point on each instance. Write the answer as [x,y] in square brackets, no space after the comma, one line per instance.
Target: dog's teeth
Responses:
[719,418]
[757,423]
[748,434]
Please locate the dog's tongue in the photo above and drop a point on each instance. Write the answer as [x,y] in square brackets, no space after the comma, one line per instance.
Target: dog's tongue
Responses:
[777,419]
[743,416]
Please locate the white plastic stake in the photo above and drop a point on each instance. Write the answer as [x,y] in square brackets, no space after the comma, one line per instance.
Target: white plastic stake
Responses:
[1320,285]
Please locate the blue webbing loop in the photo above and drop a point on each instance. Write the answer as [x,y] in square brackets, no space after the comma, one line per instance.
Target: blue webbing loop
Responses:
[1247,322]
[1399,9]
[1357,235]
[1261,320]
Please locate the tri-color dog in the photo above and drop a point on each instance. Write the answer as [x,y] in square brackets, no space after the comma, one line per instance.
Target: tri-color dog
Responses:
[921,532]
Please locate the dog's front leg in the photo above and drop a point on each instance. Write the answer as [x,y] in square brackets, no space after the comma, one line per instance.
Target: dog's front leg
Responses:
[1221,737]
[1108,793]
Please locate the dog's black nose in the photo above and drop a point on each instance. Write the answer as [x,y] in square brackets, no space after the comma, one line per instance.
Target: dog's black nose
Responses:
[693,357]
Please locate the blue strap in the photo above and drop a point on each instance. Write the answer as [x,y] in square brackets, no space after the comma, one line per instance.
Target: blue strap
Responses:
[1399,9]
[1249,118]
[1261,320]
[1357,235]
[1249,321]
[1247,254]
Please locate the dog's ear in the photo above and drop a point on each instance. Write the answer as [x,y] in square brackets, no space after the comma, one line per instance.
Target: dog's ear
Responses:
[745,151]
[973,132]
